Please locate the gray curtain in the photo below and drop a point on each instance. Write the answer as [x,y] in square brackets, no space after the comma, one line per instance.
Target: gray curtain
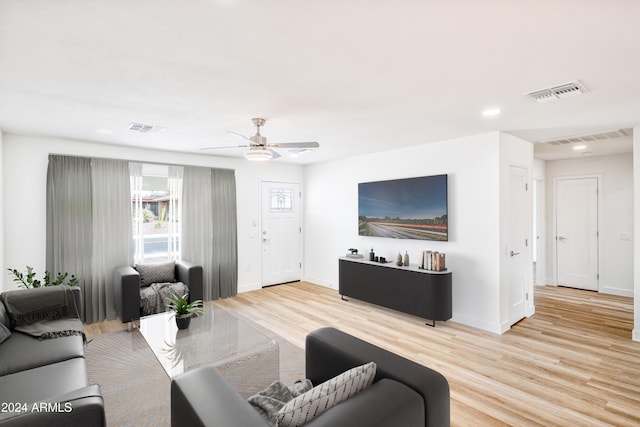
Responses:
[209,228]
[89,226]
[69,227]
[225,243]
[111,219]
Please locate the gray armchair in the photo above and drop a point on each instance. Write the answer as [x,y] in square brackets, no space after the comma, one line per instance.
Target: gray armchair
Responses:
[127,285]
[404,393]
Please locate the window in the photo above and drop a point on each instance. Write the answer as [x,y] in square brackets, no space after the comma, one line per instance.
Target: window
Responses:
[155,202]
[281,200]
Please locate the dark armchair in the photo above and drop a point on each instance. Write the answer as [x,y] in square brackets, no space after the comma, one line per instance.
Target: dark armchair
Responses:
[127,284]
[403,393]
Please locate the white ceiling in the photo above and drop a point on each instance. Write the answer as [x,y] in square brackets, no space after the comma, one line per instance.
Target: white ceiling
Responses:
[357,76]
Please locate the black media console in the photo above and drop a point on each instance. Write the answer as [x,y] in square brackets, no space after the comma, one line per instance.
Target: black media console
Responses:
[407,289]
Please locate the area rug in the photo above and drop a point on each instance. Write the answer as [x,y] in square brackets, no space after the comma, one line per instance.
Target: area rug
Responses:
[136,389]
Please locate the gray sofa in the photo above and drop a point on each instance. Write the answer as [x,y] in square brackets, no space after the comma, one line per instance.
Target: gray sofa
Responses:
[127,284]
[404,393]
[44,382]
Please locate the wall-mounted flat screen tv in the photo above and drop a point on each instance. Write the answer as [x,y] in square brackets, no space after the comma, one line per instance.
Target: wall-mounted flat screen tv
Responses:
[410,208]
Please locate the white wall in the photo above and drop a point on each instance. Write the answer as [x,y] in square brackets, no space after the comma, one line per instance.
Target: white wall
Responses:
[473,249]
[616,206]
[516,152]
[539,175]
[636,232]
[2,203]
[24,167]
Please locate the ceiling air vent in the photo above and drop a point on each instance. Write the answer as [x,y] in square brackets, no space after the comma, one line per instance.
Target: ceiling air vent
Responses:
[142,128]
[566,90]
[610,134]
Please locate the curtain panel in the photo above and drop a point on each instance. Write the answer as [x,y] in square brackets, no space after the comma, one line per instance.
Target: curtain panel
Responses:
[209,228]
[69,226]
[112,246]
[225,228]
[89,226]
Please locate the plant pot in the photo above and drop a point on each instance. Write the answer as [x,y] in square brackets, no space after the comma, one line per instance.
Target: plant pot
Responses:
[183,322]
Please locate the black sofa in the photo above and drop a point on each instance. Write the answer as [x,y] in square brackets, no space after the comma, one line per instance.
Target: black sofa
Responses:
[126,282]
[404,393]
[44,382]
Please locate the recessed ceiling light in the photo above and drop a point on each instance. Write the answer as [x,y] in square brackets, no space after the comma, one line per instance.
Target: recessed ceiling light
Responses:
[579,147]
[491,112]
[104,131]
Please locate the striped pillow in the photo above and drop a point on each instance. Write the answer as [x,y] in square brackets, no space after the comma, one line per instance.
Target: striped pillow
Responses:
[160,272]
[323,397]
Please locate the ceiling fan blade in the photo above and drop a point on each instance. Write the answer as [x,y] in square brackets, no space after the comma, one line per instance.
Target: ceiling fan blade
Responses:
[239,135]
[228,146]
[274,154]
[295,145]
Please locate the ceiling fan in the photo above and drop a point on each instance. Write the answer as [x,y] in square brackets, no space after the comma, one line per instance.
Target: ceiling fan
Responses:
[259,149]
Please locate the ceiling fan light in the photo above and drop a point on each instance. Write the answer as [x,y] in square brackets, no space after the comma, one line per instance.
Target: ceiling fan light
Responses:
[258,155]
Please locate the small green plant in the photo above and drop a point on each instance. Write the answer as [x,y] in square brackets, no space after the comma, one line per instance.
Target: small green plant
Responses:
[147,215]
[163,215]
[27,280]
[181,307]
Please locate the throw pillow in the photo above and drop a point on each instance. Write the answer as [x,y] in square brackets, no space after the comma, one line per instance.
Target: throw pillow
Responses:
[156,272]
[323,397]
[5,333]
[270,400]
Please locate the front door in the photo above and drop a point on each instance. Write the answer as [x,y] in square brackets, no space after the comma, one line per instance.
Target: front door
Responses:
[577,232]
[281,233]
[519,227]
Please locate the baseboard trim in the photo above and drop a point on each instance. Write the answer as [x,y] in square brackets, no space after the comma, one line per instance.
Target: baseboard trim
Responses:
[494,328]
[321,282]
[248,287]
[616,291]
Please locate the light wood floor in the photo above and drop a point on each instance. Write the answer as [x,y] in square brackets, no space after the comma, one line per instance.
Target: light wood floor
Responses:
[572,363]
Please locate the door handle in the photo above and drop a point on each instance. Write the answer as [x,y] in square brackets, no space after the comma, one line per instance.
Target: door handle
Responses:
[514,253]
[561,238]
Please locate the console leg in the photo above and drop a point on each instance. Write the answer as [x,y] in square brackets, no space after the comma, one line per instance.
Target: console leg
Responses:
[343,298]
[432,324]
[130,327]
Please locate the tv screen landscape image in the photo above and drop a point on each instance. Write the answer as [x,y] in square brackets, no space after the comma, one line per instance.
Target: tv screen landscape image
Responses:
[409,208]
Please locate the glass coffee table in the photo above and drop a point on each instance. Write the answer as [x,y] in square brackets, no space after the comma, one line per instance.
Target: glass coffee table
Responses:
[248,359]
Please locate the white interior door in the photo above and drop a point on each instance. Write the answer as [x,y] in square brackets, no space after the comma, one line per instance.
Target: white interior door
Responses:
[577,233]
[518,229]
[281,233]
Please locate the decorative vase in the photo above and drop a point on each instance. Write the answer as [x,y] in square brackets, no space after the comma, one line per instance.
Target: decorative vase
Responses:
[183,322]
[406,259]
[399,259]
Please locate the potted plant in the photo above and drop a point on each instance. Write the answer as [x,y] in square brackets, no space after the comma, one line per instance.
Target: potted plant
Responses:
[184,310]
[26,280]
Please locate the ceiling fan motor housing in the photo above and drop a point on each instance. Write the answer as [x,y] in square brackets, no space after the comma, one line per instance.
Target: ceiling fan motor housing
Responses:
[259,139]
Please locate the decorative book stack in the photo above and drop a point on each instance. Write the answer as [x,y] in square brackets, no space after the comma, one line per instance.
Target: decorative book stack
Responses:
[433,260]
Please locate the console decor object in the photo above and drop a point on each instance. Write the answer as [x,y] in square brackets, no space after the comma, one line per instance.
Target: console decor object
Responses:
[353,253]
[433,260]
[409,208]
